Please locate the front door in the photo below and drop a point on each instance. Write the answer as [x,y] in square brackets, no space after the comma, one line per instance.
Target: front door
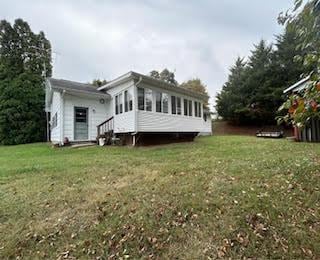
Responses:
[81,123]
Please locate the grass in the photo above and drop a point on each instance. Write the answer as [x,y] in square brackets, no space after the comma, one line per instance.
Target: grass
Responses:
[218,197]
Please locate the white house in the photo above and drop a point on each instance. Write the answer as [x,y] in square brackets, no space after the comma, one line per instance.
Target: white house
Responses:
[132,107]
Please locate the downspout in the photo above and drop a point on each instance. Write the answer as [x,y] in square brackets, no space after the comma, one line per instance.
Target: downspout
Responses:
[136,111]
[62,118]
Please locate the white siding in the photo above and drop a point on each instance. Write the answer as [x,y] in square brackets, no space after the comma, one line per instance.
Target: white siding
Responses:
[97,113]
[206,127]
[159,122]
[125,122]
[55,108]
[162,122]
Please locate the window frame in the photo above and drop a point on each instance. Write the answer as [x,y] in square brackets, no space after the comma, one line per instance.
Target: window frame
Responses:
[190,108]
[173,105]
[148,92]
[158,101]
[116,102]
[185,107]
[165,106]
[141,107]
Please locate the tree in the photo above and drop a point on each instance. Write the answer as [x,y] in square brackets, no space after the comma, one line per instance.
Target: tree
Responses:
[232,99]
[25,61]
[197,85]
[302,107]
[98,82]
[155,74]
[164,75]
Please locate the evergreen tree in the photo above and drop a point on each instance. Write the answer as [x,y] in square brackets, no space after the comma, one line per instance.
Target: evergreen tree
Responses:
[25,61]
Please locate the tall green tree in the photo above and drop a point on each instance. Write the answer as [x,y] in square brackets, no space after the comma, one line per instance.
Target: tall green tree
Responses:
[25,61]
[232,97]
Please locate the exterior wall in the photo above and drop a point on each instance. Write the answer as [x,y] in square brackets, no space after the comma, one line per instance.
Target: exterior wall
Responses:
[162,122]
[97,113]
[56,108]
[125,122]
[206,128]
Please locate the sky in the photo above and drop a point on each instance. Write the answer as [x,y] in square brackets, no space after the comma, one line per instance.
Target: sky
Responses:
[107,38]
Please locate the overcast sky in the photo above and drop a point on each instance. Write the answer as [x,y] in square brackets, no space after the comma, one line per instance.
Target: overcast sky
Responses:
[104,39]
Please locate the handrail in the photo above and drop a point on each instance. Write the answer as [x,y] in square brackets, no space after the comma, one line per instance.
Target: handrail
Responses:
[105,126]
[106,121]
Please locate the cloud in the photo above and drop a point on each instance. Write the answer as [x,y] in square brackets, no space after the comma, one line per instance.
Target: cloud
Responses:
[104,39]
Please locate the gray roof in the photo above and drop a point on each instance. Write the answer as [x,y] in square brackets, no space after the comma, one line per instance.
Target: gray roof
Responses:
[297,86]
[62,84]
[138,77]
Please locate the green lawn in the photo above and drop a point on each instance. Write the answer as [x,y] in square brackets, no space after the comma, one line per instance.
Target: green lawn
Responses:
[217,197]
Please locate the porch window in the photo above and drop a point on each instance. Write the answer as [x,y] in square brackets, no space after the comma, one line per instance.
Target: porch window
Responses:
[178,105]
[185,106]
[54,121]
[117,105]
[173,105]
[148,96]
[120,103]
[165,103]
[196,108]
[190,108]
[158,102]
[141,98]
[199,109]
[128,99]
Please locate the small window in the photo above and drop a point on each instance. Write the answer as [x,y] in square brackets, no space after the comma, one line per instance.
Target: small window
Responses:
[185,107]
[190,108]
[158,102]
[165,103]
[120,104]
[54,121]
[148,96]
[141,98]
[173,105]
[196,108]
[128,101]
[178,105]
[117,105]
[199,109]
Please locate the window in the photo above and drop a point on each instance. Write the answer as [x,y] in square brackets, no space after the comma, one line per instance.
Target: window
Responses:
[178,105]
[165,103]
[141,98]
[54,121]
[185,107]
[173,105]
[148,96]
[190,108]
[196,108]
[128,99]
[158,102]
[120,103]
[117,105]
